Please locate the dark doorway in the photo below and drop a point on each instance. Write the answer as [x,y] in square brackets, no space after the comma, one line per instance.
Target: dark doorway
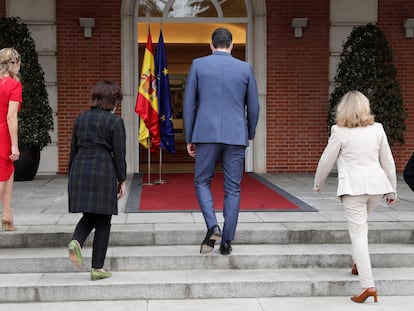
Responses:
[179,58]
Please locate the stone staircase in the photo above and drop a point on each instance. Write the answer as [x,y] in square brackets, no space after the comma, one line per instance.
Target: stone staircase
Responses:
[162,261]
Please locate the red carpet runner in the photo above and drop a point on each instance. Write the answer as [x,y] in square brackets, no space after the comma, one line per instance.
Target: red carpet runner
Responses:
[178,194]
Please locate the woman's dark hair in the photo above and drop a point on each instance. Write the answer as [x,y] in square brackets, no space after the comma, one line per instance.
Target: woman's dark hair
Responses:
[221,38]
[105,95]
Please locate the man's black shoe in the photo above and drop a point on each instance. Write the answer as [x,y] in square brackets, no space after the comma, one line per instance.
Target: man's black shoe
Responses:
[213,235]
[225,248]
[207,246]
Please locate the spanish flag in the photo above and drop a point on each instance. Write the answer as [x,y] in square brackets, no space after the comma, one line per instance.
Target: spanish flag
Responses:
[146,105]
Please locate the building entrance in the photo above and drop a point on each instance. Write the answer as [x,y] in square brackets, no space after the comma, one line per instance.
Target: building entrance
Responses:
[180,52]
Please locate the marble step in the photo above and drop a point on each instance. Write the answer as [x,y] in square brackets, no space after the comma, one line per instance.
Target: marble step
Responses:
[199,284]
[338,303]
[185,257]
[193,233]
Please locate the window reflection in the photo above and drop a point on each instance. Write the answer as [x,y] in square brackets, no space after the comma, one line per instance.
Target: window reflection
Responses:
[151,8]
[193,8]
[188,8]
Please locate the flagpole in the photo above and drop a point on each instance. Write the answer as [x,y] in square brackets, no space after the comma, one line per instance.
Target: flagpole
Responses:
[164,103]
[149,183]
[160,180]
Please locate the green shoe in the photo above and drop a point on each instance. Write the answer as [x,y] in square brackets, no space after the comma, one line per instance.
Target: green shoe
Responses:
[99,274]
[75,254]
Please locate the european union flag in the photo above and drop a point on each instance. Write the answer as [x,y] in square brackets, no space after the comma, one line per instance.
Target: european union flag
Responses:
[164,98]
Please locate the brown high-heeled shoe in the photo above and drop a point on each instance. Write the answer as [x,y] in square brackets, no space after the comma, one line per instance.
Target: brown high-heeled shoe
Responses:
[364,295]
[354,269]
[7,224]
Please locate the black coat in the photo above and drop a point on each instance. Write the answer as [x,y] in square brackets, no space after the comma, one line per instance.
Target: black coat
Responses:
[97,162]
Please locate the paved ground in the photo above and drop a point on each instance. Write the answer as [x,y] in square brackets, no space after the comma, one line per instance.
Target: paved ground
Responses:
[43,201]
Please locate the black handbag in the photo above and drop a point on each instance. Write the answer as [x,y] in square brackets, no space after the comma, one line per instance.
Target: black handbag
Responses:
[409,172]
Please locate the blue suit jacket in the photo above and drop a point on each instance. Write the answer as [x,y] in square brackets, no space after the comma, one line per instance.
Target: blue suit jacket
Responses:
[221,102]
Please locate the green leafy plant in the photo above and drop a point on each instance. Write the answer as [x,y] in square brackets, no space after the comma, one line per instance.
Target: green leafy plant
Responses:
[35,117]
[366,65]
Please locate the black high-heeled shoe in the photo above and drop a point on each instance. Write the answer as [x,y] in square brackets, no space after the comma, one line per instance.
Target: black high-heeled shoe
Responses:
[365,294]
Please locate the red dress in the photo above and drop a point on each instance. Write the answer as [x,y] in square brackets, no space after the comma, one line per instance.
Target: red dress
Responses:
[10,90]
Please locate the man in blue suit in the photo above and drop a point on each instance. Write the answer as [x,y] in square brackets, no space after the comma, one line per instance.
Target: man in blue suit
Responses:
[221,110]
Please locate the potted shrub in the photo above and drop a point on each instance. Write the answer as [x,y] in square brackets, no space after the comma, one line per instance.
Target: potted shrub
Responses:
[366,66]
[35,117]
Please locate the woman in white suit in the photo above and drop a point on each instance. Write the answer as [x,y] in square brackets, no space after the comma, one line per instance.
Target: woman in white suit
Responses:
[366,174]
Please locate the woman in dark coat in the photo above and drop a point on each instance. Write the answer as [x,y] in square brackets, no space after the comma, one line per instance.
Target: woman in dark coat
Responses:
[97,174]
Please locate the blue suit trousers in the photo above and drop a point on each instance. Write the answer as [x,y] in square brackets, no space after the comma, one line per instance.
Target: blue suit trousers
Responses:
[232,156]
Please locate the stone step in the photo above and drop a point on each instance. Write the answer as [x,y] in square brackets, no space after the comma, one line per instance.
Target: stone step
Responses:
[192,234]
[338,303]
[184,257]
[199,284]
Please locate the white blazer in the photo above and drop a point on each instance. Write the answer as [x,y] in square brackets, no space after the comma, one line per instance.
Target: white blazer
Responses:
[364,160]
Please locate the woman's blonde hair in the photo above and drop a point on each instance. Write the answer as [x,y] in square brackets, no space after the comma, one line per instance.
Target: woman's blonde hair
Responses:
[8,57]
[354,110]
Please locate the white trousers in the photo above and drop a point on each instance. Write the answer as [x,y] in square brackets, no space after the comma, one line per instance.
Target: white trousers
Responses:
[357,208]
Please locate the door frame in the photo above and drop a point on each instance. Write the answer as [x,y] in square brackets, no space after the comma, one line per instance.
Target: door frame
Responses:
[255,54]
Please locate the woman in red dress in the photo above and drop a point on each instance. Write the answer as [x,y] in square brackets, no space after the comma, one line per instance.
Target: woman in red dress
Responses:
[10,100]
